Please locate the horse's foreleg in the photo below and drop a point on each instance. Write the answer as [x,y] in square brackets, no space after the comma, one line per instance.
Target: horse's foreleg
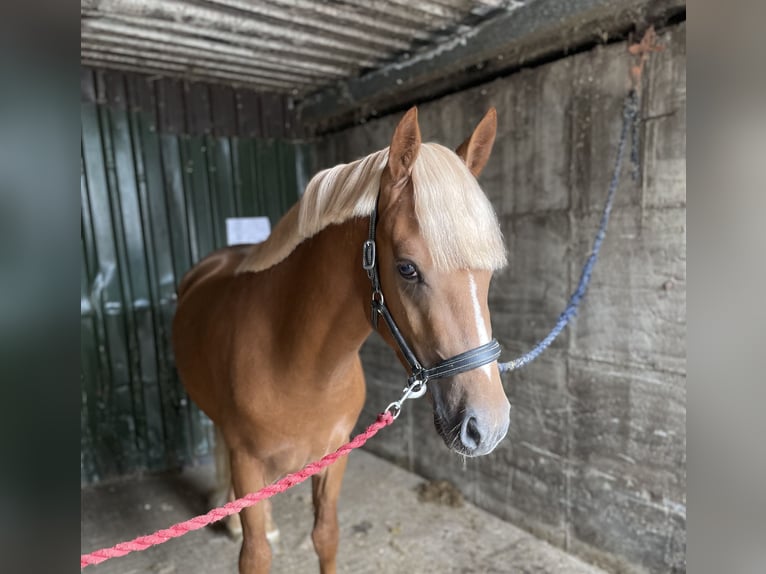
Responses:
[326,489]
[248,476]
[224,491]
[272,532]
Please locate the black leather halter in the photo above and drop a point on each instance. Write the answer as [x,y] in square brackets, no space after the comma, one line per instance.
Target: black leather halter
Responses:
[419,375]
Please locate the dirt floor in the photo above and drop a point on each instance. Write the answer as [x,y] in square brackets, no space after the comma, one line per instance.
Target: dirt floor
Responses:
[391,522]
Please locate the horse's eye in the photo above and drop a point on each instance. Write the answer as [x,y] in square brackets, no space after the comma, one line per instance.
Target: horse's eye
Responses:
[408,271]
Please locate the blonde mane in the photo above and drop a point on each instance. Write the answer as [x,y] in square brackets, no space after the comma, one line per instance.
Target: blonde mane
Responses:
[455,217]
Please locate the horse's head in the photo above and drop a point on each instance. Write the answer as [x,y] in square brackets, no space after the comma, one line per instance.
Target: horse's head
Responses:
[438,243]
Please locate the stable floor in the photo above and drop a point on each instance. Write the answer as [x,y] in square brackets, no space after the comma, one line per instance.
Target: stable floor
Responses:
[386,527]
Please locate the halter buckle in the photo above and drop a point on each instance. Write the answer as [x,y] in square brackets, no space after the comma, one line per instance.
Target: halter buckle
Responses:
[368,256]
[375,304]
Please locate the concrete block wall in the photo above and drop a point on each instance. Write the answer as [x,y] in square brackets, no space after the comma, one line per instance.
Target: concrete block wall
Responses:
[595,457]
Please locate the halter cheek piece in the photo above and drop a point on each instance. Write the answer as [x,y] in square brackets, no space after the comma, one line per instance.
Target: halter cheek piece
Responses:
[419,375]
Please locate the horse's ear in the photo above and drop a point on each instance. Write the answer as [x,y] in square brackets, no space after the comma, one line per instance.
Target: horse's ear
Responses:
[476,149]
[405,146]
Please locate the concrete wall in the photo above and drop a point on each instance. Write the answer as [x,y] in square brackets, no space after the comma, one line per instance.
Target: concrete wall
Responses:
[595,456]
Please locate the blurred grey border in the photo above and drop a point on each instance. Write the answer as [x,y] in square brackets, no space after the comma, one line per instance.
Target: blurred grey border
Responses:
[39,276]
[727,278]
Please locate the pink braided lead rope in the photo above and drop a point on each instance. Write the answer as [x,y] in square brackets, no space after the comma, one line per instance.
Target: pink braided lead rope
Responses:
[235,506]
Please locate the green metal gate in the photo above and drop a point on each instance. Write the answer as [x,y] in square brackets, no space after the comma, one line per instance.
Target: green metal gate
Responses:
[154,201]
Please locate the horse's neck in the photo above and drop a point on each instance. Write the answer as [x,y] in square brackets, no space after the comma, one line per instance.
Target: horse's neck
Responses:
[325,295]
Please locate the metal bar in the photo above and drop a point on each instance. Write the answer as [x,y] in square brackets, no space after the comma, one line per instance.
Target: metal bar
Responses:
[362,18]
[201,66]
[145,306]
[184,73]
[281,18]
[117,318]
[157,248]
[431,9]
[396,10]
[194,37]
[246,57]
[248,28]
[199,115]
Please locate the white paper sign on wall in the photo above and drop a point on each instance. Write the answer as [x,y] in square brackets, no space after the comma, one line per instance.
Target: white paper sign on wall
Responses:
[247,230]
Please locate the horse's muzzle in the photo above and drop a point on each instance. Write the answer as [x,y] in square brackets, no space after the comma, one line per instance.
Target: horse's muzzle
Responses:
[472,433]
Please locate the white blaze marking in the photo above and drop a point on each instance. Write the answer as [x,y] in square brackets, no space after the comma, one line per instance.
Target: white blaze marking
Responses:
[481,326]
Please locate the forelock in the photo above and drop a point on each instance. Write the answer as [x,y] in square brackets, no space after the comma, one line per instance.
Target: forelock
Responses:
[457,220]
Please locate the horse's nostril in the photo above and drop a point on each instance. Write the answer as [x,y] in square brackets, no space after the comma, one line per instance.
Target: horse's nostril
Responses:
[470,435]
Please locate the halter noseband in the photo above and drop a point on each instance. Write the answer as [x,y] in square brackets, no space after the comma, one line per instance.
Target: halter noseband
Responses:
[419,375]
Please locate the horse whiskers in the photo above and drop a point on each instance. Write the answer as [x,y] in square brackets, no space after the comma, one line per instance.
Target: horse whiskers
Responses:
[455,437]
[454,442]
[462,455]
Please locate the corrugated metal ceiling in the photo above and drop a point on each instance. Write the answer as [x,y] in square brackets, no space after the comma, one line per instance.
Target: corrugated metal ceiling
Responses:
[293,46]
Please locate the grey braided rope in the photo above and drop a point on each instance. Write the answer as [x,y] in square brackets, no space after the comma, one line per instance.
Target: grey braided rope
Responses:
[629,120]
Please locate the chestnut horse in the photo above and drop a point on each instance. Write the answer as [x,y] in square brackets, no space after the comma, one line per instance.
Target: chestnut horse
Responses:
[267,336]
